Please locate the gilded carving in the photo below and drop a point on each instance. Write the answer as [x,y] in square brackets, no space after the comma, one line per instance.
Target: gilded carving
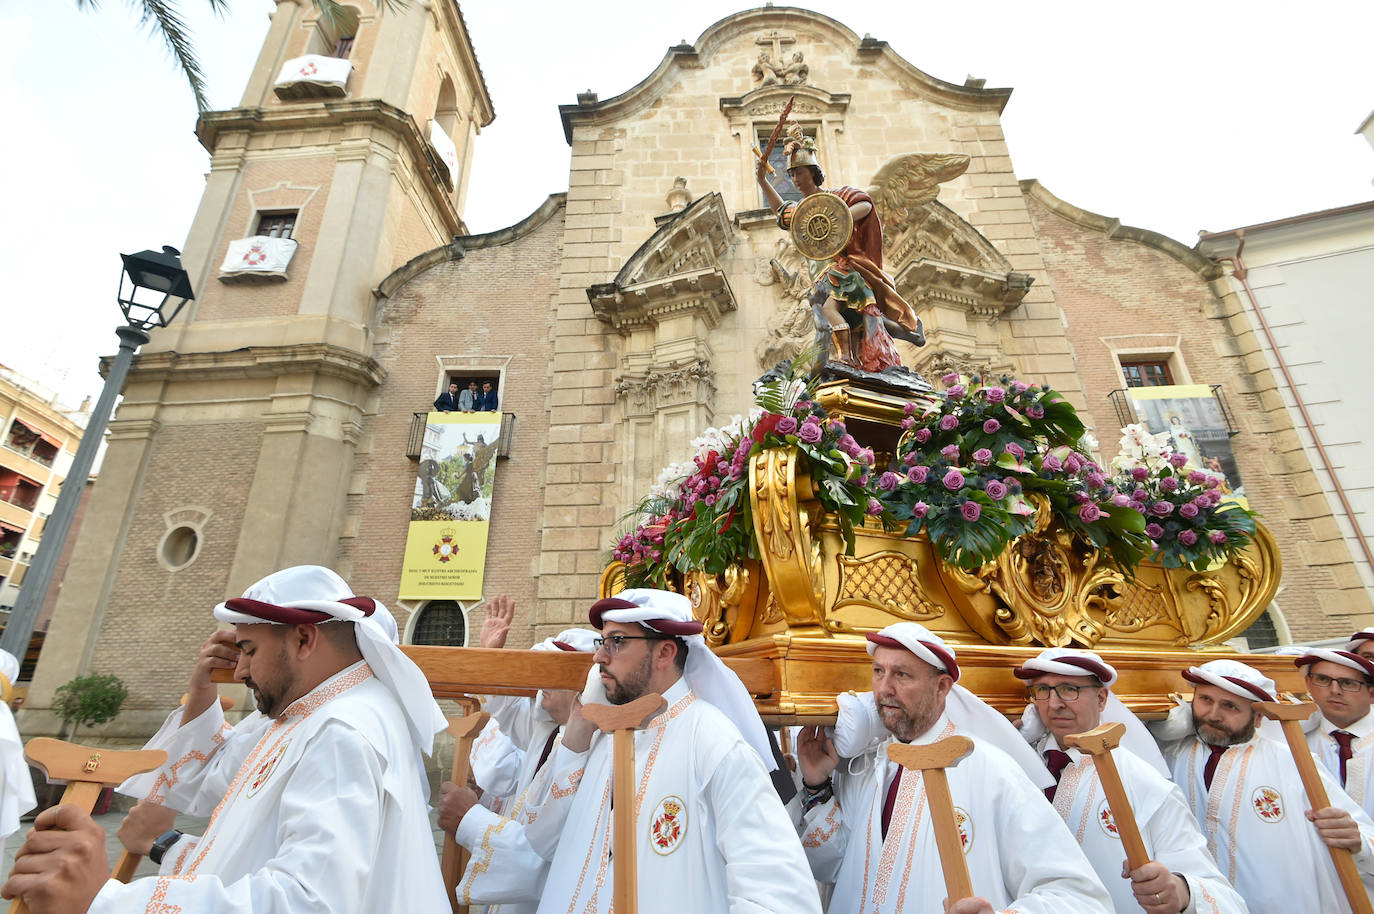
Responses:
[783,504]
[887,580]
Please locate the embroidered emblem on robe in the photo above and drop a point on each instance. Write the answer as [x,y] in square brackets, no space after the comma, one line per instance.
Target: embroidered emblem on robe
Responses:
[1267,804]
[668,825]
[965,823]
[1105,819]
[266,768]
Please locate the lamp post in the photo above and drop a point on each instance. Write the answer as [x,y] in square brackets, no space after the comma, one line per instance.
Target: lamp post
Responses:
[153,289]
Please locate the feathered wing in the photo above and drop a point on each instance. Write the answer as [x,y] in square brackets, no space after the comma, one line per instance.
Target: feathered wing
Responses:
[910,181]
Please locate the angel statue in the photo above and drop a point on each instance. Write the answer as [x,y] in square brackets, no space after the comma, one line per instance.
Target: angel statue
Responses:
[856,306]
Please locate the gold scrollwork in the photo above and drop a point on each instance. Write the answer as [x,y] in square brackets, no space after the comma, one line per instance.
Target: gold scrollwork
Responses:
[887,580]
[783,505]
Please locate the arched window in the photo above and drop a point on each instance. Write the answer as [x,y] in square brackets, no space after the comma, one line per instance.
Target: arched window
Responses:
[446,109]
[334,37]
[441,622]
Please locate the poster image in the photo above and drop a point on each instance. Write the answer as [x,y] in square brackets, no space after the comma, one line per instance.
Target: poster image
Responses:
[1190,416]
[446,546]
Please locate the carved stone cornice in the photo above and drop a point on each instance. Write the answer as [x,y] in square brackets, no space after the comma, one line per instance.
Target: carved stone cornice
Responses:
[937,232]
[766,102]
[980,292]
[676,271]
[257,362]
[676,383]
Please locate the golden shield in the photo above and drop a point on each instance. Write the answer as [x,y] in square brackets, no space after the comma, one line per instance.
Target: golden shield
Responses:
[821,226]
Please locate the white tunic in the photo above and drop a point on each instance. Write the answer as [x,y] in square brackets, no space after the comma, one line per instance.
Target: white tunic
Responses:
[1020,855]
[1359,770]
[1254,819]
[711,834]
[323,811]
[1166,825]
[16,784]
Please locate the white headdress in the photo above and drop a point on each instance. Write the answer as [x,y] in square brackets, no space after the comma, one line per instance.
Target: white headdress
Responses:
[311,594]
[715,683]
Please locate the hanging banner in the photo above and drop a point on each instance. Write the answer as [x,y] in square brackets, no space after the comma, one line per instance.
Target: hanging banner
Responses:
[1190,416]
[446,547]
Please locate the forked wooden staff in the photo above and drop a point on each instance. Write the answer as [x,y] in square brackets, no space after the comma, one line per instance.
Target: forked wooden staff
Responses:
[87,771]
[623,721]
[1099,743]
[931,760]
[1290,717]
[128,861]
[464,730]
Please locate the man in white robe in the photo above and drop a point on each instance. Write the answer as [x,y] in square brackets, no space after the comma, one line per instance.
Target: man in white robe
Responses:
[504,871]
[16,784]
[710,831]
[1071,690]
[1245,791]
[870,833]
[317,806]
[1342,685]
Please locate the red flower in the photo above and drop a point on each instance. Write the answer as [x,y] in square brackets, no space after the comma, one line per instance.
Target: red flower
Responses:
[766,424]
[729,519]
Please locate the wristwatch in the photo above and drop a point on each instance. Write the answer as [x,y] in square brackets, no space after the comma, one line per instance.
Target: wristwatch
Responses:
[163,844]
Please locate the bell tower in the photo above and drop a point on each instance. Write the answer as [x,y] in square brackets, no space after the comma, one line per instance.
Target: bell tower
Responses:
[232,451]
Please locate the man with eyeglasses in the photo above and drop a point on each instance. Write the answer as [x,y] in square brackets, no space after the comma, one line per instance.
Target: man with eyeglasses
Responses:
[1245,791]
[1070,692]
[711,833]
[1340,683]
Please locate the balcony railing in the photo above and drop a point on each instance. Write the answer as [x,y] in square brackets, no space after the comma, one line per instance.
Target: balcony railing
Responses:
[313,76]
[1128,413]
[415,444]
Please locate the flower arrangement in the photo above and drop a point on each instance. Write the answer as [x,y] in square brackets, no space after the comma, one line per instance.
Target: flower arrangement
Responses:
[697,516]
[1189,523]
[971,462]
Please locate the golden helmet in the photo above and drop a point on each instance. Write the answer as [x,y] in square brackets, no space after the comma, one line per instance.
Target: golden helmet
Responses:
[799,148]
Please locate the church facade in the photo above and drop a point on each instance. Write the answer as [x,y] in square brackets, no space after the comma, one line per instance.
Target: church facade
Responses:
[616,322]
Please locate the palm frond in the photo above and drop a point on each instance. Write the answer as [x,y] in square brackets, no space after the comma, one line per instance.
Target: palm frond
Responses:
[164,19]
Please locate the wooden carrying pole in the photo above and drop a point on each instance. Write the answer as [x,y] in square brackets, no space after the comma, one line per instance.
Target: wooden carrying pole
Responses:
[1099,743]
[464,730]
[1290,717]
[623,720]
[87,771]
[931,760]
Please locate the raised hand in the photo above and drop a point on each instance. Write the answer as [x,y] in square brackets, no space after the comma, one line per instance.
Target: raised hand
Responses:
[816,754]
[220,652]
[495,627]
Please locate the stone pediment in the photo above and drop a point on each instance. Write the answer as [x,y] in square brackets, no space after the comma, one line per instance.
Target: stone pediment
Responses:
[766,102]
[936,232]
[676,271]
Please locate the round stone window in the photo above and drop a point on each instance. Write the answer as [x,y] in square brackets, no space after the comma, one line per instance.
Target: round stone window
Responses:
[179,547]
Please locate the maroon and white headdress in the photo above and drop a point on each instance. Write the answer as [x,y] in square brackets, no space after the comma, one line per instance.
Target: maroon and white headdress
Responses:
[1361,665]
[570,639]
[707,675]
[1235,677]
[1066,661]
[970,715]
[311,594]
[1359,638]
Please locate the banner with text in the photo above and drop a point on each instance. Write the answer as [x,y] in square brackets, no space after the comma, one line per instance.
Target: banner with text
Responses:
[446,547]
[1190,416]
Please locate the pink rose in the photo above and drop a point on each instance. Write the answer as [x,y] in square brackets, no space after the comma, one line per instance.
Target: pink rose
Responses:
[1217,537]
[971,511]
[1213,481]
[809,432]
[1187,537]
[1015,450]
[908,424]
[1121,501]
[1018,387]
[910,408]
[948,423]
[982,456]
[950,378]
[954,480]
[1035,411]
[918,474]
[995,394]
[991,426]
[888,481]
[1197,477]
[1162,509]
[1073,463]
[1187,510]
[1154,531]
[1178,460]
[1169,484]
[920,509]
[1089,513]
[950,452]
[923,435]
[996,490]
[786,426]
[1097,480]
[956,392]
[1140,474]
[875,507]
[1051,462]
[1139,495]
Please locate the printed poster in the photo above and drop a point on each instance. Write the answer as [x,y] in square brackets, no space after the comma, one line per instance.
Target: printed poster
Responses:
[1190,416]
[446,547]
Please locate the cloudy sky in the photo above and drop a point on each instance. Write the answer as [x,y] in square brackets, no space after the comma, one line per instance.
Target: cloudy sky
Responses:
[1174,116]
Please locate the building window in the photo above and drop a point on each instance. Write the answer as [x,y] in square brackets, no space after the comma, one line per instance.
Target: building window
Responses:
[343,47]
[1152,373]
[441,622]
[781,183]
[1262,633]
[277,225]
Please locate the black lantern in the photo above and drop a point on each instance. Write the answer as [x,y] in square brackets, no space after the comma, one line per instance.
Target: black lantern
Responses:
[153,279]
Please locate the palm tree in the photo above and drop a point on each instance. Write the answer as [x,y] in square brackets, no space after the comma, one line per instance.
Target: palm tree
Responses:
[163,19]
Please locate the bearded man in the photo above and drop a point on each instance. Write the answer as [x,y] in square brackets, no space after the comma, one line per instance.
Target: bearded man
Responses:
[1245,791]
[868,829]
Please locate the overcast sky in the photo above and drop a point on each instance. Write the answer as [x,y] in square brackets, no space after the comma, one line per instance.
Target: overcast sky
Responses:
[1173,116]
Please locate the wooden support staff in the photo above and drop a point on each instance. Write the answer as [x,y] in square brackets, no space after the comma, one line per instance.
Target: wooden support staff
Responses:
[1099,743]
[623,720]
[87,771]
[464,730]
[931,760]
[1290,717]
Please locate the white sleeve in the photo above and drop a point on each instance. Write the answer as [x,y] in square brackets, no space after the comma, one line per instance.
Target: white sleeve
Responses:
[329,830]
[203,755]
[504,867]
[496,762]
[548,818]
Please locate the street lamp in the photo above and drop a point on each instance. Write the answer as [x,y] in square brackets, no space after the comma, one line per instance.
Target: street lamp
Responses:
[152,291]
